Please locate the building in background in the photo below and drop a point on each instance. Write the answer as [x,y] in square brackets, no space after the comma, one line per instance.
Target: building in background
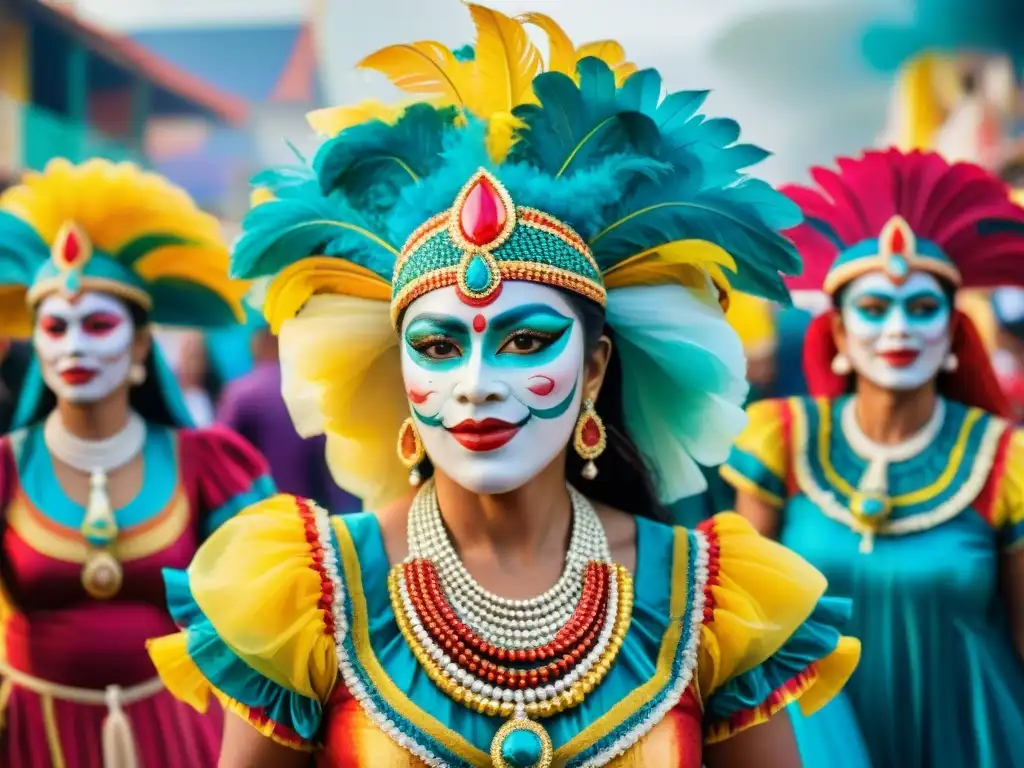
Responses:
[274,68]
[69,88]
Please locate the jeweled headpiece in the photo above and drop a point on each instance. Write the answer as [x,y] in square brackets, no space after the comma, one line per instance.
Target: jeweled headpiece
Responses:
[899,212]
[485,238]
[583,177]
[117,229]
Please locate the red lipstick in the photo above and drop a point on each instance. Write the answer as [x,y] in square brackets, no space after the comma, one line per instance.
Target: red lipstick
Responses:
[486,435]
[900,358]
[77,377]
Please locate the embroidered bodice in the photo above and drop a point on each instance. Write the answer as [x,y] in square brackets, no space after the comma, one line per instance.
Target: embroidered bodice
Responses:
[726,628]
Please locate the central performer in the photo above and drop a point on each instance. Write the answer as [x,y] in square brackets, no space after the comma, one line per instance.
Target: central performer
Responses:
[549,351]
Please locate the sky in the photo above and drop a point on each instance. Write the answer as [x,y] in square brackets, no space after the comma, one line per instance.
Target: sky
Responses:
[786,69]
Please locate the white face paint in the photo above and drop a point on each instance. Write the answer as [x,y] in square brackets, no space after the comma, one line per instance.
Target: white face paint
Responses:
[84,345]
[495,391]
[896,335]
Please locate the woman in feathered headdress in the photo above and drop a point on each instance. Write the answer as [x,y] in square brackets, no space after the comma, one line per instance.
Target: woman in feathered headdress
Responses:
[520,284]
[104,483]
[900,477]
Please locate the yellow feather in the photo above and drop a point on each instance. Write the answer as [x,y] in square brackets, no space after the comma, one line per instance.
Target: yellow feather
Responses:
[259,196]
[294,286]
[505,63]
[623,71]
[561,51]
[203,265]
[502,135]
[331,121]
[427,69]
[701,253]
[113,204]
[608,51]
[15,316]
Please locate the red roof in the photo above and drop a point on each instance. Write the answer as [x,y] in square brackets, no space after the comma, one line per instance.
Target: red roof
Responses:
[135,58]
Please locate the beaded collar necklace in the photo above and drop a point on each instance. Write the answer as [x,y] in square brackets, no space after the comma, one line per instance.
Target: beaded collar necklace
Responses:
[518,659]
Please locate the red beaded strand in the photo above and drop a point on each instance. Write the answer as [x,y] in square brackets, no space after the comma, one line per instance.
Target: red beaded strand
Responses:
[468,650]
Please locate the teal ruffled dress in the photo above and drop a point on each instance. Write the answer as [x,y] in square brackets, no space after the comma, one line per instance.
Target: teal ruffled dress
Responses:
[288,620]
[940,684]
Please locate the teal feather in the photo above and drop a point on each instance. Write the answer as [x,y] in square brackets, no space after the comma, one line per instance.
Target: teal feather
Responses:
[576,126]
[376,153]
[292,181]
[662,212]
[278,232]
[465,53]
[22,251]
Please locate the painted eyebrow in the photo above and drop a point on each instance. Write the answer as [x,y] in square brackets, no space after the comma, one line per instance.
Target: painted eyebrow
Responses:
[927,294]
[874,295]
[519,314]
[445,324]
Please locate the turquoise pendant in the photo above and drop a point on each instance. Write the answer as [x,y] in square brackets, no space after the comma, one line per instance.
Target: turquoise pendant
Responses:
[521,743]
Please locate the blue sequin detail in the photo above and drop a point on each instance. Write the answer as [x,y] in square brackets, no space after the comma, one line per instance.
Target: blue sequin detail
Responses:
[872,507]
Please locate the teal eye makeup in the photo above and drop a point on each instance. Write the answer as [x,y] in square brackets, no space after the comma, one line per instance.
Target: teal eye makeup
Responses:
[531,335]
[437,342]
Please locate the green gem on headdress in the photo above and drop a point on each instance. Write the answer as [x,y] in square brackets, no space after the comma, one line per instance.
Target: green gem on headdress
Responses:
[484,239]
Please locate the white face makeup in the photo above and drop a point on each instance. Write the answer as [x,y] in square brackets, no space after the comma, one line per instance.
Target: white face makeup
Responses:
[84,346]
[897,336]
[495,391]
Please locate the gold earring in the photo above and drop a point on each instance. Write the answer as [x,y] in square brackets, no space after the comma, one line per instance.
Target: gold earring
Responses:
[410,450]
[589,438]
[137,374]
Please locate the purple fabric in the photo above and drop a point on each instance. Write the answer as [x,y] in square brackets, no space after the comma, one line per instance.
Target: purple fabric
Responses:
[253,407]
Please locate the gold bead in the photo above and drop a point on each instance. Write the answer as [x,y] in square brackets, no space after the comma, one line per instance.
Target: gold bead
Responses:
[459,694]
[586,685]
[507,708]
[533,709]
[493,707]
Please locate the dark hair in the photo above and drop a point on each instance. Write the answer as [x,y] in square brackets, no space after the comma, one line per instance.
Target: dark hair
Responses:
[146,399]
[624,480]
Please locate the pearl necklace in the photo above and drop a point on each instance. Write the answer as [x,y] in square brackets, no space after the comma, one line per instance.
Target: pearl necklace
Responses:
[102,574]
[513,624]
[90,456]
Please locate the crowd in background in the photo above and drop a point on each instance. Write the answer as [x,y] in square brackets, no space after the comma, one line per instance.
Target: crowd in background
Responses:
[235,380]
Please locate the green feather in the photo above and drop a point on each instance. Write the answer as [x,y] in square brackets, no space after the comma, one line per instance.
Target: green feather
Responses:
[376,153]
[575,127]
[280,232]
[140,246]
[22,251]
[179,302]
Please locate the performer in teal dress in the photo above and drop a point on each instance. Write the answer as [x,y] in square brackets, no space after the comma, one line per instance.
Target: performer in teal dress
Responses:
[899,477]
[553,322]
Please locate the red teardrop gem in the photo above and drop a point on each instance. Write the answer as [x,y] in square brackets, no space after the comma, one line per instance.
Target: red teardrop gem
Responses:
[72,247]
[897,242]
[591,433]
[483,213]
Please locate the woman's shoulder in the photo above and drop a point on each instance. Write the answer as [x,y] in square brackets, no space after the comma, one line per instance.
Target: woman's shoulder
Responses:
[260,607]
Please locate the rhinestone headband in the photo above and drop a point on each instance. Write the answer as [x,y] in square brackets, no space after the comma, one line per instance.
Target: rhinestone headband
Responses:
[485,239]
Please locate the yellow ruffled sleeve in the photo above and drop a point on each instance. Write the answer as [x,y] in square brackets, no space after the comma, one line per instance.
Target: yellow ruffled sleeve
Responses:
[257,630]
[1008,506]
[759,463]
[769,636]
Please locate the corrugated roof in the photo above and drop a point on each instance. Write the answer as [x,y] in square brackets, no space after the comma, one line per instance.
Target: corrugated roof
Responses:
[128,54]
[251,62]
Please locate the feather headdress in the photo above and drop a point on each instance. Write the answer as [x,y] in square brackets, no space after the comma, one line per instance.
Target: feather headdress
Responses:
[582,176]
[898,212]
[117,229]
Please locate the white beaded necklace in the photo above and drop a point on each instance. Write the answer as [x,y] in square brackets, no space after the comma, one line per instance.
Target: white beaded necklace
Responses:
[513,624]
[92,456]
